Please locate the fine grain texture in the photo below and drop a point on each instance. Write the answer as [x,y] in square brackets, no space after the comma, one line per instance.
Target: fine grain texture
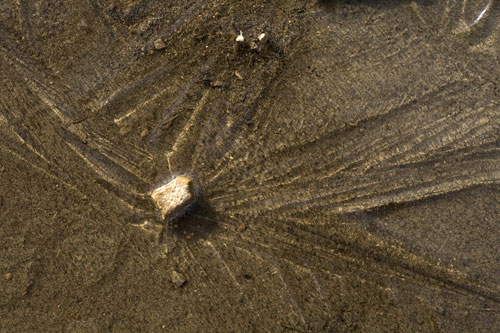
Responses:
[347,163]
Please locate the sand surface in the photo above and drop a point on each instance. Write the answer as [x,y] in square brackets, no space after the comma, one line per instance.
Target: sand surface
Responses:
[346,165]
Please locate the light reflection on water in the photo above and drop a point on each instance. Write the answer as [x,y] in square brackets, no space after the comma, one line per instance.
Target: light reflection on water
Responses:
[481,14]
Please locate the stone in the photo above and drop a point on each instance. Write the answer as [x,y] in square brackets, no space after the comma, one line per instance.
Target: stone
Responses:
[240,38]
[174,198]
[178,279]
[159,44]
[218,84]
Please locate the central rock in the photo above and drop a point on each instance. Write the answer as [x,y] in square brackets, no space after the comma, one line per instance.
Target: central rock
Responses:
[175,197]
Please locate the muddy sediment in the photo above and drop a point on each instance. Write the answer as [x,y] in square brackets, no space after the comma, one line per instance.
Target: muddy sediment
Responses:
[344,156]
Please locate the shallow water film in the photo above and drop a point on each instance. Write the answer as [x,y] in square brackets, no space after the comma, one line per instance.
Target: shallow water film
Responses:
[344,159]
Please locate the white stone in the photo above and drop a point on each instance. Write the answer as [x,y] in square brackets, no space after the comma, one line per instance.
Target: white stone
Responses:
[240,37]
[172,198]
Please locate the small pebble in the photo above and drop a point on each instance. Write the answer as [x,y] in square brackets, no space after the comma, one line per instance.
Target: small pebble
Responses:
[240,38]
[8,276]
[83,24]
[218,84]
[238,75]
[178,279]
[159,44]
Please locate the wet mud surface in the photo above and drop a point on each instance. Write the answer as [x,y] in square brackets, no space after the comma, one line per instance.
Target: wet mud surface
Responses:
[346,162]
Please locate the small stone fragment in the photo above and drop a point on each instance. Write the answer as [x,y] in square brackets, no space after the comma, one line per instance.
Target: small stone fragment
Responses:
[238,75]
[8,276]
[261,37]
[145,27]
[83,24]
[189,236]
[218,84]
[173,198]
[178,279]
[159,44]
[240,38]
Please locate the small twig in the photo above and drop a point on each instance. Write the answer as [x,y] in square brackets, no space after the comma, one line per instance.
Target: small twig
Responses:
[78,120]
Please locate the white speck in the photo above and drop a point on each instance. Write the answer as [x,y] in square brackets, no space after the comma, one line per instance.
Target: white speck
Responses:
[261,36]
[240,37]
